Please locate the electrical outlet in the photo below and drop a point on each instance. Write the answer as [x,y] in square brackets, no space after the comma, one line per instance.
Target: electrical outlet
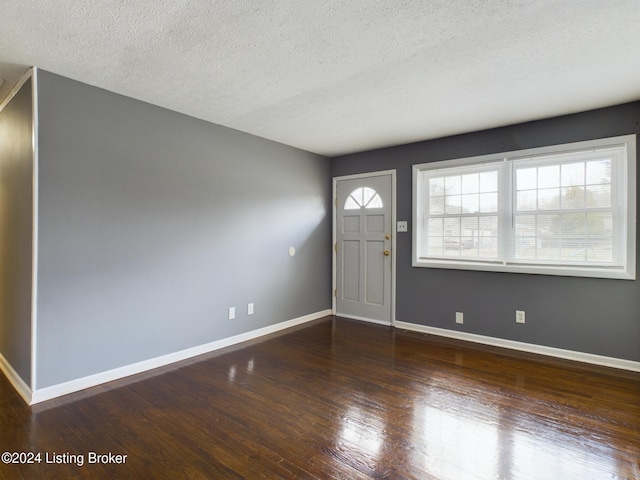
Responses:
[250,309]
[519,316]
[459,317]
[232,313]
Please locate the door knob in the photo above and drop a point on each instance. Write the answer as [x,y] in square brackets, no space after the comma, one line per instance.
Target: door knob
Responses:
[386,253]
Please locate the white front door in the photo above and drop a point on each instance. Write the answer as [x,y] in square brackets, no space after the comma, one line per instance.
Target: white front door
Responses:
[363,232]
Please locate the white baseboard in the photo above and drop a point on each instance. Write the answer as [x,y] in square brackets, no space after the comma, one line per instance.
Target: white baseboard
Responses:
[525,347]
[21,387]
[55,391]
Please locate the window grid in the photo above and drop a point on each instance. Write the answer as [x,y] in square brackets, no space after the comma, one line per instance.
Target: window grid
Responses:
[560,210]
[463,214]
[363,197]
[563,211]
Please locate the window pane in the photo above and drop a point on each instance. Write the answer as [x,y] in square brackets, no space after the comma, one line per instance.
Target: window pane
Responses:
[487,237]
[488,247]
[436,242]
[367,194]
[572,224]
[488,226]
[469,247]
[525,225]
[489,182]
[549,176]
[470,203]
[375,202]
[351,204]
[600,249]
[573,248]
[488,202]
[549,199]
[357,196]
[527,200]
[436,186]
[547,225]
[452,227]
[600,223]
[548,251]
[526,178]
[526,248]
[573,197]
[453,185]
[436,228]
[435,248]
[547,235]
[452,246]
[598,196]
[470,183]
[599,237]
[572,174]
[469,225]
[436,205]
[453,204]
[599,171]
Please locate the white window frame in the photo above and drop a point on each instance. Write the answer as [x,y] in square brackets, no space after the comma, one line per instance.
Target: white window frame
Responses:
[626,186]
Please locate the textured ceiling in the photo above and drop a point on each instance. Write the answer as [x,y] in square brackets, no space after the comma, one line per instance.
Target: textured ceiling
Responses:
[338,76]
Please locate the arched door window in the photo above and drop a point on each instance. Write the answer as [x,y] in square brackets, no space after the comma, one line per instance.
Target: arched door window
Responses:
[363,197]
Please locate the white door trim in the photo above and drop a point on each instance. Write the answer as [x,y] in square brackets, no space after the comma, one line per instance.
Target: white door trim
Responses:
[393,236]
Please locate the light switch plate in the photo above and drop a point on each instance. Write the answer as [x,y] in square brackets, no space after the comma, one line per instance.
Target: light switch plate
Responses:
[401,227]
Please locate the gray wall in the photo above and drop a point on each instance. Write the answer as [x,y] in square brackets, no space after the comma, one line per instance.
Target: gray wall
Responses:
[595,316]
[153,223]
[16,222]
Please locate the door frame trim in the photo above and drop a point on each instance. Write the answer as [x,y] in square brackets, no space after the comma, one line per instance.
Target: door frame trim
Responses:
[334,238]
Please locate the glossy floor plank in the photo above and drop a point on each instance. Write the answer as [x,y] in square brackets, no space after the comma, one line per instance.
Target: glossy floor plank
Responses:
[339,399]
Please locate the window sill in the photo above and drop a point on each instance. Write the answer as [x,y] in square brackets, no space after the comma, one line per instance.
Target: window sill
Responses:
[617,273]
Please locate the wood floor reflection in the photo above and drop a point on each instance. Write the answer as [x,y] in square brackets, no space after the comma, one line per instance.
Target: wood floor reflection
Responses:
[339,399]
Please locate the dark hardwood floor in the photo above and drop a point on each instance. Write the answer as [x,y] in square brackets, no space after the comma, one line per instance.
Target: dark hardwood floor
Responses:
[339,399]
